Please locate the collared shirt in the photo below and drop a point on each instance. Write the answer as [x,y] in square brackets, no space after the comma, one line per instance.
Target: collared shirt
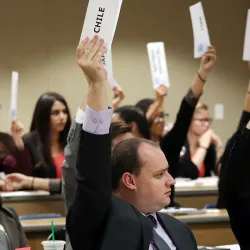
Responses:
[161,232]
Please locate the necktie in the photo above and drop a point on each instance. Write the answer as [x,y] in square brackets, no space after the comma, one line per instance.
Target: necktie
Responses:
[158,242]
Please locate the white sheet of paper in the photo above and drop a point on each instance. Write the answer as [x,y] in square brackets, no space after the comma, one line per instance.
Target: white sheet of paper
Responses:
[101,19]
[158,64]
[246,50]
[218,111]
[232,247]
[200,30]
[2,176]
[107,62]
[13,98]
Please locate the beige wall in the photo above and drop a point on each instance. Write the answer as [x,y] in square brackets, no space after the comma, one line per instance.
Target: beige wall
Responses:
[38,39]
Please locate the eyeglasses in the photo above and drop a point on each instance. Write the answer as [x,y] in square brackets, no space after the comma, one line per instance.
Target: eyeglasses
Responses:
[203,120]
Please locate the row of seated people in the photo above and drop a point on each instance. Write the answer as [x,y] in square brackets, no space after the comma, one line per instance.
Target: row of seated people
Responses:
[44,164]
[190,145]
[118,193]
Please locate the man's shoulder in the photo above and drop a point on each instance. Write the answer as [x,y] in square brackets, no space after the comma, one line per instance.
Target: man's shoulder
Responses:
[179,231]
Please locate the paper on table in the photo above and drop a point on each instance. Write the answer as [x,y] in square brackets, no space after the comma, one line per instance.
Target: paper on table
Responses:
[101,18]
[246,51]
[200,30]
[232,247]
[158,64]
[200,182]
[24,193]
[13,98]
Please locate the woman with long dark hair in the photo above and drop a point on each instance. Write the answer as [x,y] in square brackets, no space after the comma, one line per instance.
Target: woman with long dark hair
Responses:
[47,138]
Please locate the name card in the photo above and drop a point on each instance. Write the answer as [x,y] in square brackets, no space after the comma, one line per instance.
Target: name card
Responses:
[107,62]
[246,50]
[158,64]
[101,19]
[200,30]
[13,98]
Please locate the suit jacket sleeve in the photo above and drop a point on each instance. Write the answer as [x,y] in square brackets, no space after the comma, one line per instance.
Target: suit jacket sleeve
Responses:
[69,165]
[85,217]
[237,187]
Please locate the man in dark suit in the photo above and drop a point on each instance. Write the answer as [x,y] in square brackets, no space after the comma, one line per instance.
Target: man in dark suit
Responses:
[128,220]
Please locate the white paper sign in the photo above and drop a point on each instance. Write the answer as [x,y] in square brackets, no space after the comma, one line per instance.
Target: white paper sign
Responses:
[246,51]
[107,62]
[158,64]
[14,91]
[200,30]
[218,111]
[101,19]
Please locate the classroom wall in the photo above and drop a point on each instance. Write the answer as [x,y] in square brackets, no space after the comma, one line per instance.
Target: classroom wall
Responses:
[39,38]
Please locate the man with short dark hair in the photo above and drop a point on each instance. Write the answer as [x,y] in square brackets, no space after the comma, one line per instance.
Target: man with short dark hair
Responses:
[127,219]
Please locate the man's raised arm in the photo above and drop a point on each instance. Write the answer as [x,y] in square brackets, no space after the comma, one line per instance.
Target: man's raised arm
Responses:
[93,196]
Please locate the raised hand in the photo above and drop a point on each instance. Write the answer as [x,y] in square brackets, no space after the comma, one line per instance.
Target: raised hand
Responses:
[208,61]
[16,130]
[118,96]
[89,55]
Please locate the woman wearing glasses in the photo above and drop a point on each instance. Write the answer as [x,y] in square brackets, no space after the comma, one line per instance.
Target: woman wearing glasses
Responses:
[198,156]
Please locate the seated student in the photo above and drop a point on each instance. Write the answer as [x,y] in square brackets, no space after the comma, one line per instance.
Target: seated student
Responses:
[7,161]
[47,138]
[128,219]
[154,111]
[198,155]
[120,132]
[11,159]
[135,118]
[10,224]
[172,142]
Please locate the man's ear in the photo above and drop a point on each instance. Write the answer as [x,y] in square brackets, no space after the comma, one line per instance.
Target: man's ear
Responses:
[128,180]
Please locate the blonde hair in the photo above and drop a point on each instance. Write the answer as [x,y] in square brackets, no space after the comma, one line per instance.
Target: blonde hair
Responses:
[201,106]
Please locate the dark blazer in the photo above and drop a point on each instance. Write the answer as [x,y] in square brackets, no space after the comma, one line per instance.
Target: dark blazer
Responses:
[171,144]
[245,117]
[40,167]
[188,169]
[236,190]
[98,220]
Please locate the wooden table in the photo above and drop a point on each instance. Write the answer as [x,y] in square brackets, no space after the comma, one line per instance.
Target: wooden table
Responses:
[34,202]
[38,202]
[197,196]
[210,229]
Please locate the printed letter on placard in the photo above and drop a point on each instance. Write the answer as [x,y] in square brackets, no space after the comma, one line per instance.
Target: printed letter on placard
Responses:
[101,18]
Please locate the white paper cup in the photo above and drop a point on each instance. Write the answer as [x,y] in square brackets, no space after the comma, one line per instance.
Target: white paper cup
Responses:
[53,245]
